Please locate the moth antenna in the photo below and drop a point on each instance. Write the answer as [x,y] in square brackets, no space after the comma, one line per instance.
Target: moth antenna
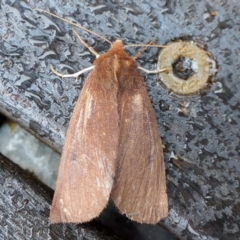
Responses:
[85,44]
[145,45]
[71,75]
[150,44]
[153,71]
[74,24]
[144,49]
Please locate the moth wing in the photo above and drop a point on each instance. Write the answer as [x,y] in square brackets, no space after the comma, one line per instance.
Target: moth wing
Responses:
[140,183]
[87,166]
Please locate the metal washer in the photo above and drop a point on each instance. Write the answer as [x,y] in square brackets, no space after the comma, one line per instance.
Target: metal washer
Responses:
[202,67]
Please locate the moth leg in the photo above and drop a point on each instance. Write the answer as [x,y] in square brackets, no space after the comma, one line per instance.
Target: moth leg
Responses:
[82,71]
[71,75]
[86,45]
[153,71]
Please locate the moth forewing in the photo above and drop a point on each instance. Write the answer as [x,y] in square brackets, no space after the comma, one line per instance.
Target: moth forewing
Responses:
[87,165]
[139,188]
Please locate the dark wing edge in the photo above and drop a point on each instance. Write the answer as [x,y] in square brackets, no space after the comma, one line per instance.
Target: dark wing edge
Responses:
[139,189]
[87,166]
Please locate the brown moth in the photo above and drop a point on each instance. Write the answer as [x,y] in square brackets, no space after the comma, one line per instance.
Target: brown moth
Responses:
[112,147]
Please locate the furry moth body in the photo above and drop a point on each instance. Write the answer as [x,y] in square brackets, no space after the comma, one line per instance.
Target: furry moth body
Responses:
[112,148]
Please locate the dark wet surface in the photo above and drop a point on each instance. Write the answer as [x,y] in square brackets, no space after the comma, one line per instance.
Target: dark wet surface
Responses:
[200,132]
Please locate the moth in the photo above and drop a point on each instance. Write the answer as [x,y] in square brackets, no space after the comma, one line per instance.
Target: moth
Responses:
[112,148]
